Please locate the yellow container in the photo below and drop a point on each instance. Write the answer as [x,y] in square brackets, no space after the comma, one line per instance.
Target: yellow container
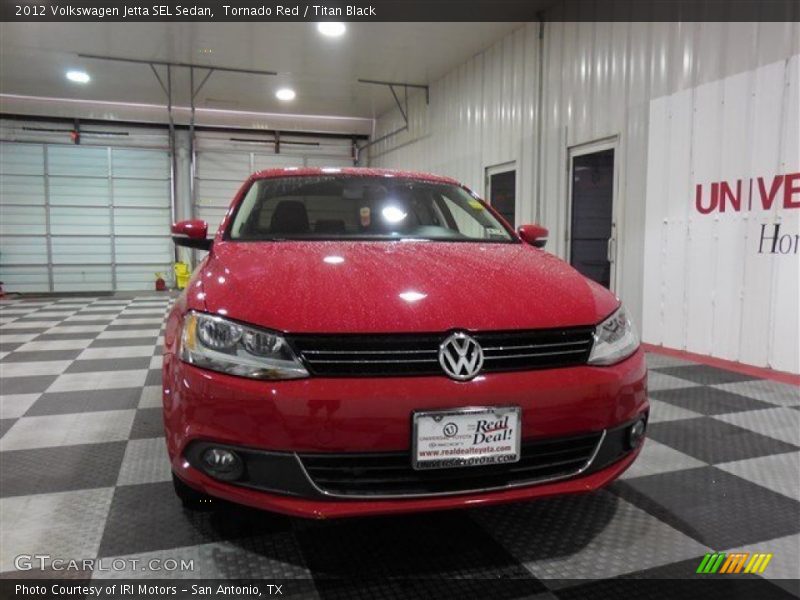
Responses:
[182,274]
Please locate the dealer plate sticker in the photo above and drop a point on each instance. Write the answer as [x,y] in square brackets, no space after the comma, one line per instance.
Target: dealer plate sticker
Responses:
[467,437]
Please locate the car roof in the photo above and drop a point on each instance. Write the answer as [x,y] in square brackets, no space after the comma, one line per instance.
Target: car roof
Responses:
[352,171]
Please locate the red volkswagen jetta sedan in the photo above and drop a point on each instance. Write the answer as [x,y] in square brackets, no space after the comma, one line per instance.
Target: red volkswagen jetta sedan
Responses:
[360,341]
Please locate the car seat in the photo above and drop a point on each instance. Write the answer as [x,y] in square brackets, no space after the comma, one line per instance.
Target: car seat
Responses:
[290,216]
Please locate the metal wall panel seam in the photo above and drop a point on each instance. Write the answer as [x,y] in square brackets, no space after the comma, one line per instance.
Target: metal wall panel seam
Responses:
[777,217]
[689,231]
[737,353]
[648,79]
[715,344]
[84,264]
[111,209]
[50,282]
[539,120]
[621,161]
[93,235]
[715,224]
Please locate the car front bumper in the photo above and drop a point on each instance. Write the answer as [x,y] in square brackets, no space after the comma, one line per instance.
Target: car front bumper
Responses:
[278,422]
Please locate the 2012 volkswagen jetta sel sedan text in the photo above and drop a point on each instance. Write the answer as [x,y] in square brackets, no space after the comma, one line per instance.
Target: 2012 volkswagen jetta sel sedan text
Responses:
[362,342]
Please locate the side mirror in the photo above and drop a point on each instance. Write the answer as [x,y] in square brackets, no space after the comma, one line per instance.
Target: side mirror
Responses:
[191,234]
[535,235]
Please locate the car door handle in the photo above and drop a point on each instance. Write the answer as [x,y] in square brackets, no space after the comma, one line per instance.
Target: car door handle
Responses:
[611,249]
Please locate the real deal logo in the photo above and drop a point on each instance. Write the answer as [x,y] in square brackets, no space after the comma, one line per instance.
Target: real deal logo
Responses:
[492,430]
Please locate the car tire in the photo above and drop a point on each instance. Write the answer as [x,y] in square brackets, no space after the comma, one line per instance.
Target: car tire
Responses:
[190,497]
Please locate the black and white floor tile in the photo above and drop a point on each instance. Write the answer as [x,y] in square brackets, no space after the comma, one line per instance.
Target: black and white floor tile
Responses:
[84,474]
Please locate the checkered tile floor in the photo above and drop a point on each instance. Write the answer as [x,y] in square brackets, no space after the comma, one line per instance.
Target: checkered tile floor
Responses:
[84,474]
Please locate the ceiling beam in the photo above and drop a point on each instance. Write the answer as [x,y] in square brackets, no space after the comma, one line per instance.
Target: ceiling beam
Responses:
[166,63]
[394,84]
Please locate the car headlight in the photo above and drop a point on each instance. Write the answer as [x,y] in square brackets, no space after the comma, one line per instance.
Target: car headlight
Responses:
[215,343]
[614,339]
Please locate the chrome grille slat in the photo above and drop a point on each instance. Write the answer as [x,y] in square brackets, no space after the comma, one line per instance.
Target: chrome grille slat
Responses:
[533,354]
[399,355]
[377,474]
[523,347]
[368,362]
[369,351]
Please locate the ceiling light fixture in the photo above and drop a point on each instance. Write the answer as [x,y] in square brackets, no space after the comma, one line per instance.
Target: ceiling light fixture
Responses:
[285,94]
[78,76]
[331,29]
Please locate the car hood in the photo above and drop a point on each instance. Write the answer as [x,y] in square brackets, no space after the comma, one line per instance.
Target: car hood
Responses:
[395,286]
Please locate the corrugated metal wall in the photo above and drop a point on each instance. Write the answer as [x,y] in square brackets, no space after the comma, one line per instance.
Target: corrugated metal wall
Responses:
[223,161]
[481,114]
[598,81]
[89,217]
[96,216]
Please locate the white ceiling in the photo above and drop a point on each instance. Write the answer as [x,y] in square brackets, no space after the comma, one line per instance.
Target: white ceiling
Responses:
[35,56]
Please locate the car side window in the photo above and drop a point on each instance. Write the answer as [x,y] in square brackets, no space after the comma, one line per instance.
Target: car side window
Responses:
[246,208]
[464,221]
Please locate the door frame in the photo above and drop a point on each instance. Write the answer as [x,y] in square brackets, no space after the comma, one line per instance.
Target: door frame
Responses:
[611,142]
[496,169]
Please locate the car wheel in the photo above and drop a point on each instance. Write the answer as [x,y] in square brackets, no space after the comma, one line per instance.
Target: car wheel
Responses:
[190,497]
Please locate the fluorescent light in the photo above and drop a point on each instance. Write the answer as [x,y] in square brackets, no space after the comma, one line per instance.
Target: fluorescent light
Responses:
[331,29]
[78,76]
[334,260]
[285,94]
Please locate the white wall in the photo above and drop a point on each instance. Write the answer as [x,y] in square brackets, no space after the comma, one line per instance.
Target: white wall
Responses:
[717,281]
[598,81]
[481,114]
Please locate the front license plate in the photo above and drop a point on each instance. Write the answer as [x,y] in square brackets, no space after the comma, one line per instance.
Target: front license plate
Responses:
[467,437]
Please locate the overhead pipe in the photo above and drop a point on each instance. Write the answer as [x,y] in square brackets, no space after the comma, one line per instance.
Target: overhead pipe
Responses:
[192,96]
[540,122]
[378,140]
[403,111]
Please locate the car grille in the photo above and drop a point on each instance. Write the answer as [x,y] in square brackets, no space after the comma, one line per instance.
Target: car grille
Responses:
[372,355]
[391,474]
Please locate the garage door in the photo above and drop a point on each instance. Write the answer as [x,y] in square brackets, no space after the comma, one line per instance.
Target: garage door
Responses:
[222,164]
[83,218]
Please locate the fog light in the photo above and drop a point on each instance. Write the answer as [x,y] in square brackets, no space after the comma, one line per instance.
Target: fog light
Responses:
[636,433]
[222,463]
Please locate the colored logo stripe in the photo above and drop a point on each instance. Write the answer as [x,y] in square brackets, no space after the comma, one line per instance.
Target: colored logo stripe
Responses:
[720,562]
[711,562]
[758,563]
[734,563]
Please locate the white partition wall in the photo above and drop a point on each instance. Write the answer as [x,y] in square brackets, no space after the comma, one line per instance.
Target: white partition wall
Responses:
[721,262]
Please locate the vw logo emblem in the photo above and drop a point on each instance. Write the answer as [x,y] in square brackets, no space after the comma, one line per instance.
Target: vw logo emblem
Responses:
[461,356]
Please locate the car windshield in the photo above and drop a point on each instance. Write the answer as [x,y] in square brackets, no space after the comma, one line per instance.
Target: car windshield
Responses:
[355,207]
